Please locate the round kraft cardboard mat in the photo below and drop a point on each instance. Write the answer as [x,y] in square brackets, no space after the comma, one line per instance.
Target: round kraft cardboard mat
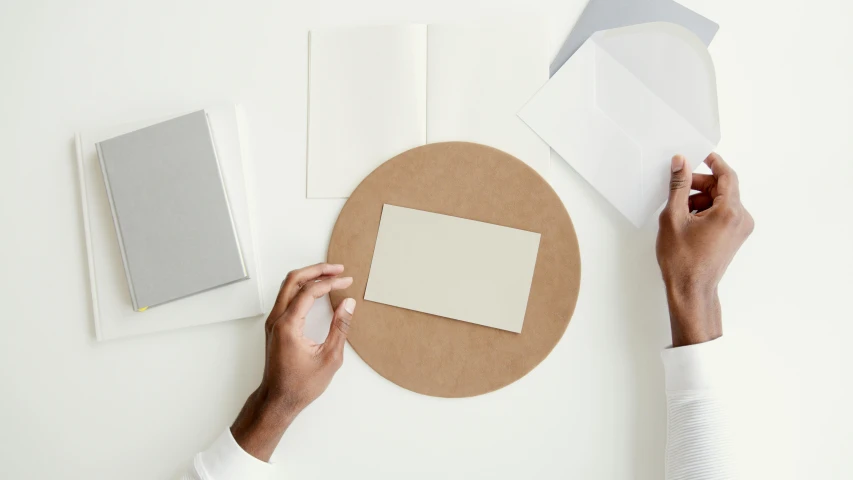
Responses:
[438,356]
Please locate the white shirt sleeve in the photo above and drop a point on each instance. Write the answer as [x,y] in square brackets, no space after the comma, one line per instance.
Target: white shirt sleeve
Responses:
[697,437]
[226,460]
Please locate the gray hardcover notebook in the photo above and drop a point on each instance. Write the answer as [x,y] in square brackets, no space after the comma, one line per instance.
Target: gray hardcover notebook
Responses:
[171,211]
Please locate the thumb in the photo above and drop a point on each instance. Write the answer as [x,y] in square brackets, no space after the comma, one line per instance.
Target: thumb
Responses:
[679,184]
[339,329]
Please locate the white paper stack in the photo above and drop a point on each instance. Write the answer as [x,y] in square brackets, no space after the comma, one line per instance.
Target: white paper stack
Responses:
[114,315]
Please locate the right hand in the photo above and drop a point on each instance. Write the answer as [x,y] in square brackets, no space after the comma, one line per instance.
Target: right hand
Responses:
[694,249]
[297,370]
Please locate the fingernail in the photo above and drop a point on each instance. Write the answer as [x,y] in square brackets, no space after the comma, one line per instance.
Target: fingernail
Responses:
[337,266]
[677,163]
[343,281]
[349,305]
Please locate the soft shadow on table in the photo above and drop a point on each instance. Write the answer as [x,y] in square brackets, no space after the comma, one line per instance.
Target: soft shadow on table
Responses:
[646,322]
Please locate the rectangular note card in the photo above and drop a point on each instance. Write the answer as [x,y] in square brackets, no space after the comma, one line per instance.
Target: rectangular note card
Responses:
[453,267]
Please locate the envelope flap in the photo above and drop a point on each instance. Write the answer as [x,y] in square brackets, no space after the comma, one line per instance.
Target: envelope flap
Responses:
[564,113]
[674,65]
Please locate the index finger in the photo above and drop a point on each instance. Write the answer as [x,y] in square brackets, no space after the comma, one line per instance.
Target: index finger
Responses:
[727,181]
[296,279]
[304,300]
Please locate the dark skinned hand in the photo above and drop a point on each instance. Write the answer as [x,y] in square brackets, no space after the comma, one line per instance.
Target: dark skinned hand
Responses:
[698,237]
[297,370]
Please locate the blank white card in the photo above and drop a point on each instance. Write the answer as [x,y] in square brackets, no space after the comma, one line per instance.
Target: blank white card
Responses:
[453,267]
[375,92]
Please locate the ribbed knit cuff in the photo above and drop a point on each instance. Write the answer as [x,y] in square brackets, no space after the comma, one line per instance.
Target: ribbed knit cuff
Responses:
[695,367]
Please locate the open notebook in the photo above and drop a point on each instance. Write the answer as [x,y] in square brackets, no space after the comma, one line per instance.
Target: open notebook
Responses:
[375,92]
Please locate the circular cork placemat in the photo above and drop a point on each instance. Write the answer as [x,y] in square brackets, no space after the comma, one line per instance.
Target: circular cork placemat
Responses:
[438,356]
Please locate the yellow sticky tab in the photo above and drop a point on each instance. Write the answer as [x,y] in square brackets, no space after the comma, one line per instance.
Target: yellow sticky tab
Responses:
[142,309]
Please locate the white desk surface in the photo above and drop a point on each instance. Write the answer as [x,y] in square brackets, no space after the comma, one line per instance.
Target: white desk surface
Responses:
[594,409]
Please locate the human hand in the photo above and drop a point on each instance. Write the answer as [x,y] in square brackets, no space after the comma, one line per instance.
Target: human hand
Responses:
[297,370]
[694,249]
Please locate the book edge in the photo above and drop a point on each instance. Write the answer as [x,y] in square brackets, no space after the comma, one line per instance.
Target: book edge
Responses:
[117,226]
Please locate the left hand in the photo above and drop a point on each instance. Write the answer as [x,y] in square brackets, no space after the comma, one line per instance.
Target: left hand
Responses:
[297,369]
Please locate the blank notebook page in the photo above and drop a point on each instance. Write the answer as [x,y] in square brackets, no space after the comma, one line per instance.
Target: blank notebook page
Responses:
[479,77]
[367,102]
[375,92]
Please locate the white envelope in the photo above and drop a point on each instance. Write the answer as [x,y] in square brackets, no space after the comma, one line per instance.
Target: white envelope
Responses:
[627,101]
